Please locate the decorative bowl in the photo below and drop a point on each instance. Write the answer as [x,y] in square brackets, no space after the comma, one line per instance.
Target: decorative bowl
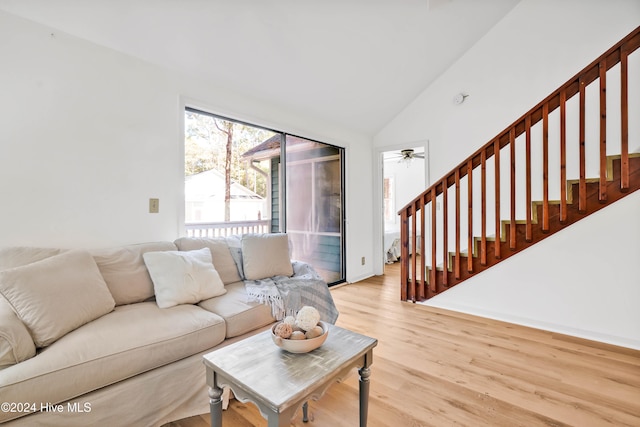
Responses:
[300,346]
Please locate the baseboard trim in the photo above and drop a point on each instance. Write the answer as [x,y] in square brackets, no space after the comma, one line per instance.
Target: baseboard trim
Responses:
[359,278]
[538,324]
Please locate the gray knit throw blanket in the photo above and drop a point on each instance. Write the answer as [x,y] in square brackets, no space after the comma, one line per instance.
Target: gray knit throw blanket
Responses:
[286,295]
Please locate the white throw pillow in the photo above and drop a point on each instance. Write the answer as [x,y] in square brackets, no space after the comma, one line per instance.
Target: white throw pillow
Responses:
[56,295]
[266,255]
[183,277]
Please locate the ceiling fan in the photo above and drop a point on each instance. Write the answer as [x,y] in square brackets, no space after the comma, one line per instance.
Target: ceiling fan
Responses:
[409,154]
[406,155]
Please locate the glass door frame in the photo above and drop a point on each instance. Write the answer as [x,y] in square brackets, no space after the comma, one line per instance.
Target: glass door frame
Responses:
[284,200]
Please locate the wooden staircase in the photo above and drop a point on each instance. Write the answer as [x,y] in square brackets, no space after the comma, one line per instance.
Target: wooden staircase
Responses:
[538,233]
[437,225]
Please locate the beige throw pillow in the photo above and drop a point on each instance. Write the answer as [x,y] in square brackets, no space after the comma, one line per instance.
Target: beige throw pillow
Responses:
[183,277]
[266,255]
[56,295]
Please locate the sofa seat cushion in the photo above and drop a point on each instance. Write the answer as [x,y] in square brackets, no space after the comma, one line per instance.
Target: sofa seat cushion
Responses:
[240,316]
[128,341]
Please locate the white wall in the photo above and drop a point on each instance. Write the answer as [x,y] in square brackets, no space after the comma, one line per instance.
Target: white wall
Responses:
[538,46]
[582,281]
[88,135]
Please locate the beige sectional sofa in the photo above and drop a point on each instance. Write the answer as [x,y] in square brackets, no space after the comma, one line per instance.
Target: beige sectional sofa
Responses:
[84,340]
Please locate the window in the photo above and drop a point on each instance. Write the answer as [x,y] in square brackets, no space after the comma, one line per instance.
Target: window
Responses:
[241,178]
[390,214]
[221,183]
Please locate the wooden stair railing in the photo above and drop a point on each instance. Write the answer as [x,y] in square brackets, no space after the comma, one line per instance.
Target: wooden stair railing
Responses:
[423,277]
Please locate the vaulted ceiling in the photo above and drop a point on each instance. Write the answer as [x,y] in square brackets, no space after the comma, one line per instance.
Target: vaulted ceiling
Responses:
[353,63]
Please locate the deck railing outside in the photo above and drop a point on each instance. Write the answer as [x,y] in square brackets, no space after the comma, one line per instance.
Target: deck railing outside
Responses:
[222,229]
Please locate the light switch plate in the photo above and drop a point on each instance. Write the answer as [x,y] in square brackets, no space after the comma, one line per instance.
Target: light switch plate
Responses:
[154,205]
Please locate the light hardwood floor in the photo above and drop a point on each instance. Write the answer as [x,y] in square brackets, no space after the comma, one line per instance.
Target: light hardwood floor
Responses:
[434,367]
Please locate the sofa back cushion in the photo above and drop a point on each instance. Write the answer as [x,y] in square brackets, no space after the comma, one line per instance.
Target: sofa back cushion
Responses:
[266,255]
[220,253]
[125,273]
[16,344]
[56,295]
[17,256]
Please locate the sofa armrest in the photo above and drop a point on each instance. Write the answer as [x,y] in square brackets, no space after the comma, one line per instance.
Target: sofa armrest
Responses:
[304,270]
[16,343]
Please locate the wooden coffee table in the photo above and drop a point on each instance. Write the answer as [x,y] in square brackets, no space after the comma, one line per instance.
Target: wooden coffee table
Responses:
[279,382]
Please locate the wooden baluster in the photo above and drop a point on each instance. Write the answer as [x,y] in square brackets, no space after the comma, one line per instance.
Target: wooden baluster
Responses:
[624,113]
[457,263]
[563,156]
[422,294]
[512,223]
[483,208]
[434,259]
[445,233]
[582,185]
[470,215]
[414,248]
[496,155]
[529,227]
[404,256]
[545,168]
[602,188]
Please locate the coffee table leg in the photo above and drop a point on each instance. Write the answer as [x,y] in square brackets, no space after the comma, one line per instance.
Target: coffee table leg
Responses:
[365,373]
[215,404]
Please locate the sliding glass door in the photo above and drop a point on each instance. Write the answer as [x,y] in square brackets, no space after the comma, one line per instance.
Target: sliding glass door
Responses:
[241,178]
[314,205]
